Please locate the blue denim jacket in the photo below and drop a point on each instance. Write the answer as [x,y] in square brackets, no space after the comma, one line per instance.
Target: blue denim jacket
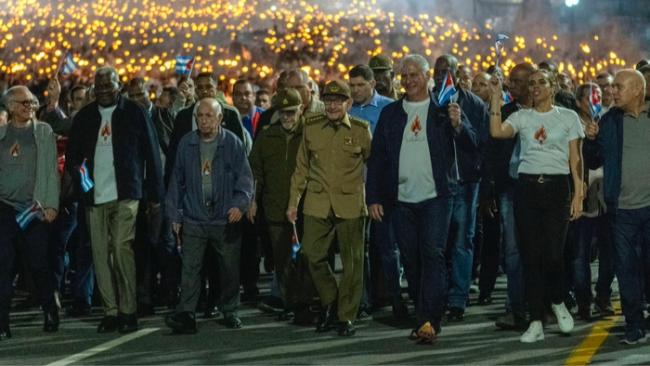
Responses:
[383,164]
[607,151]
[232,181]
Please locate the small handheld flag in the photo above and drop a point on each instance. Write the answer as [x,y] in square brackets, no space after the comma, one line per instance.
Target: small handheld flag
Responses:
[507,97]
[184,65]
[498,46]
[68,66]
[25,217]
[595,104]
[295,244]
[447,91]
[86,183]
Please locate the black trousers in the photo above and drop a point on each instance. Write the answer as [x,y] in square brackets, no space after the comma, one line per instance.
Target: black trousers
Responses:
[542,207]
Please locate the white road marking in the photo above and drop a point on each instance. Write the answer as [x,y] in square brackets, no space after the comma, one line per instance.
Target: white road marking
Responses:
[102,347]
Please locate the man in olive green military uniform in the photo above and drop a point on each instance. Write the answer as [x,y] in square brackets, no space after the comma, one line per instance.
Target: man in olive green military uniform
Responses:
[330,166]
[273,160]
[382,68]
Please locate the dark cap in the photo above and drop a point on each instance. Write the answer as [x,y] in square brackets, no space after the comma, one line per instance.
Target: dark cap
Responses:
[337,87]
[380,63]
[287,98]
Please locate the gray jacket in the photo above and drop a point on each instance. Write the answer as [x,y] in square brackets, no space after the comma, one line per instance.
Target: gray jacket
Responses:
[232,181]
[46,188]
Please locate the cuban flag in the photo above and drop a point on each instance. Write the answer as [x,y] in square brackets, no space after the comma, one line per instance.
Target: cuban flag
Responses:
[498,46]
[507,98]
[595,104]
[25,217]
[184,65]
[295,244]
[447,90]
[86,183]
[68,66]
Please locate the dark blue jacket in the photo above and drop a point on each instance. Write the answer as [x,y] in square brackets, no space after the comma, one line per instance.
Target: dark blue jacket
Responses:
[232,181]
[607,151]
[383,164]
[470,158]
[135,148]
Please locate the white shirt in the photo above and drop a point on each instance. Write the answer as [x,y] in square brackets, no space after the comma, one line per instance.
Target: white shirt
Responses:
[104,168]
[544,139]
[416,183]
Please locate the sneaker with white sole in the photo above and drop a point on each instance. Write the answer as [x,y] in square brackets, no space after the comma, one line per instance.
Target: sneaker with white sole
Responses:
[534,333]
[563,316]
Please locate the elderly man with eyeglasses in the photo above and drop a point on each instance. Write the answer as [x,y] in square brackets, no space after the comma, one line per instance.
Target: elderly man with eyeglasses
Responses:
[29,188]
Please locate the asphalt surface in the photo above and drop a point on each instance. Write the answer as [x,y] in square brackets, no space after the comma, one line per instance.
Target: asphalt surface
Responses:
[263,340]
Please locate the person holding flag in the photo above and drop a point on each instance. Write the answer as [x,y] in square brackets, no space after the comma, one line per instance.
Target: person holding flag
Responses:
[411,179]
[467,173]
[29,199]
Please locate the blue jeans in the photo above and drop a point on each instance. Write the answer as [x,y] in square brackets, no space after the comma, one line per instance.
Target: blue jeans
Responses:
[587,229]
[510,249]
[422,230]
[630,231]
[461,232]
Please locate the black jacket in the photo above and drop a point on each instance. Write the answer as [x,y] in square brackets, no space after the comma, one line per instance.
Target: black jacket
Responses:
[135,148]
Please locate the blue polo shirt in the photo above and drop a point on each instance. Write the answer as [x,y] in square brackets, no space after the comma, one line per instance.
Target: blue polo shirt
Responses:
[370,111]
[251,122]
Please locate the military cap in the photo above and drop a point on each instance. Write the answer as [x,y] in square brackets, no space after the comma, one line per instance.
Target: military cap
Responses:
[380,63]
[287,98]
[337,87]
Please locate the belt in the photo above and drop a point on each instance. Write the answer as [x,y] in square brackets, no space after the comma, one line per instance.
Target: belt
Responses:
[542,178]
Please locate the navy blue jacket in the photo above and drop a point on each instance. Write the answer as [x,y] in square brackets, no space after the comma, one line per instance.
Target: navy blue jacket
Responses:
[607,151]
[232,181]
[383,164]
[470,158]
[135,148]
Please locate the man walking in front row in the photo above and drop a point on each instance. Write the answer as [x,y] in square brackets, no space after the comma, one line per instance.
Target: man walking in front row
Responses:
[210,188]
[330,166]
[115,140]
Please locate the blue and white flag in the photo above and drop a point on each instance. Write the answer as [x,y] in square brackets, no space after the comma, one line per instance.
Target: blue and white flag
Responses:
[295,244]
[86,183]
[595,103]
[447,91]
[68,66]
[498,46]
[184,65]
[25,217]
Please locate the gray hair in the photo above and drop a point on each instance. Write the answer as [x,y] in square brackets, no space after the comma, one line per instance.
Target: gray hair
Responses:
[417,60]
[108,70]
[216,106]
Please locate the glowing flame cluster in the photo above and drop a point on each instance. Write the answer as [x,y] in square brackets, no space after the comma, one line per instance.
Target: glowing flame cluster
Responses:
[247,38]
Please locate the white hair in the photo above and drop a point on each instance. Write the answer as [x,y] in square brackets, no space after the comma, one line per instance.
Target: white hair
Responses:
[216,106]
[417,60]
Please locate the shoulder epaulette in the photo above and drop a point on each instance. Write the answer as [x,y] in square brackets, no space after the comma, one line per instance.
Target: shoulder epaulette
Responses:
[313,119]
[359,122]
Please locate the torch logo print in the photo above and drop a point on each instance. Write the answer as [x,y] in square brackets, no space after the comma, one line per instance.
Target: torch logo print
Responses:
[416,127]
[540,135]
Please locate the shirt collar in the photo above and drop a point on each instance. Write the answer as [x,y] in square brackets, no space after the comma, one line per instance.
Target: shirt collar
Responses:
[374,100]
[345,121]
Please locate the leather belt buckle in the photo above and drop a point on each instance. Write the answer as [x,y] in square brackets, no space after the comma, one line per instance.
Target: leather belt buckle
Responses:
[540,179]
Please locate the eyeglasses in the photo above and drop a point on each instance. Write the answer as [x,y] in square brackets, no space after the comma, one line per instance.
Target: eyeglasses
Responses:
[334,102]
[27,103]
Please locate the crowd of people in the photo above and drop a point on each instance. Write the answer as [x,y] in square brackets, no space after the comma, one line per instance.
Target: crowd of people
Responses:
[432,172]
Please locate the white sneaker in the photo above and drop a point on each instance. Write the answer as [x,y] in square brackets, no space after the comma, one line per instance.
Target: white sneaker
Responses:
[564,318]
[534,333]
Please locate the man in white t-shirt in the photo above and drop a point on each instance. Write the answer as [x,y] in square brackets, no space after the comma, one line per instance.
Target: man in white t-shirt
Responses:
[114,140]
[410,179]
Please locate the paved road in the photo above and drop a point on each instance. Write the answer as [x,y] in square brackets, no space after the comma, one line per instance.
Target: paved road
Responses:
[263,340]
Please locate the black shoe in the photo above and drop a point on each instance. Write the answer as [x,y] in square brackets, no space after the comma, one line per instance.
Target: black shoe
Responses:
[5,332]
[145,310]
[363,313]
[232,322]
[484,300]
[604,307]
[271,305]
[346,329]
[108,324]
[400,310]
[286,315]
[455,315]
[181,323]
[211,312]
[51,320]
[584,312]
[326,319]
[77,309]
[127,323]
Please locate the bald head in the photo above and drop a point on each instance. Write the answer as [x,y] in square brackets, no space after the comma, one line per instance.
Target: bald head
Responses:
[629,90]
[481,86]
[518,81]
[208,114]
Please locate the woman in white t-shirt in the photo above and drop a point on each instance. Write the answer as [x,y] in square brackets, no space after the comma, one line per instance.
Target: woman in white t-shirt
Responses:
[551,160]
